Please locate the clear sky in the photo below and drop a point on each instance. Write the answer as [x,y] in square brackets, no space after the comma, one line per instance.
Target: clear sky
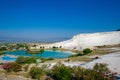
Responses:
[57,19]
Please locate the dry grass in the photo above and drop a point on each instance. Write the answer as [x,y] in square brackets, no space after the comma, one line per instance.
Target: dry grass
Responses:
[103,51]
[25,74]
[81,58]
[85,58]
[73,59]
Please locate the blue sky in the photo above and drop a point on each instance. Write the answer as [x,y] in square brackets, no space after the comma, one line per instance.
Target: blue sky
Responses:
[57,19]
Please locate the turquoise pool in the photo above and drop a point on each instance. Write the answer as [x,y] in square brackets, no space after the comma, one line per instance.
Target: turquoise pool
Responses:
[46,54]
[8,58]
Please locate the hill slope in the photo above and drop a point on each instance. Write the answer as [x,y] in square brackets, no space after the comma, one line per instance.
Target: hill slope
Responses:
[89,40]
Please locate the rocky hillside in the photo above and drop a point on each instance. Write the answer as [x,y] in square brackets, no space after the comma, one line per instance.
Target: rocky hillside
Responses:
[89,40]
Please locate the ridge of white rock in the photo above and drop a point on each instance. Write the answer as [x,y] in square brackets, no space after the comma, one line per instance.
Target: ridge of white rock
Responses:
[89,40]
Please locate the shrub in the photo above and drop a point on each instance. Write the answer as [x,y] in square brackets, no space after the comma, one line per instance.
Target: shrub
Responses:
[102,68]
[41,50]
[78,72]
[1,53]
[61,72]
[89,74]
[60,46]
[13,66]
[3,48]
[54,48]
[20,60]
[28,60]
[36,72]
[50,58]
[79,54]
[26,67]
[87,51]
[75,55]
[99,72]
[118,30]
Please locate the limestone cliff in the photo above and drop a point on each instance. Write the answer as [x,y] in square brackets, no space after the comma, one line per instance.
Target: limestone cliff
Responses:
[89,40]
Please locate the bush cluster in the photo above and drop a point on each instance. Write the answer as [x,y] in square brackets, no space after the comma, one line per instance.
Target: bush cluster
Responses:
[62,72]
[86,51]
[36,72]
[11,66]
[75,55]
[1,53]
[50,58]
[54,48]
[3,48]
[24,60]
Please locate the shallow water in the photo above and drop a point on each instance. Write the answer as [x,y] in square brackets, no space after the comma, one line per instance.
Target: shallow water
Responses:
[8,58]
[46,54]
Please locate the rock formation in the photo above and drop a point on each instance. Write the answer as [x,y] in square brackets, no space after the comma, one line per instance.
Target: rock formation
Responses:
[88,40]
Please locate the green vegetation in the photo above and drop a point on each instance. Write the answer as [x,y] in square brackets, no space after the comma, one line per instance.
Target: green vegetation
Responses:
[61,72]
[26,67]
[41,52]
[79,53]
[78,72]
[46,59]
[29,60]
[13,66]
[50,59]
[102,68]
[86,51]
[24,60]
[118,30]
[3,48]
[36,73]
[1,53]
[42,47]
[75,55]
[27,48]
[18,46]
[13,47]
[54,48]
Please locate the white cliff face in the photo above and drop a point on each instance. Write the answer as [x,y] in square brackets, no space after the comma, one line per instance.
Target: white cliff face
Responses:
[82,41]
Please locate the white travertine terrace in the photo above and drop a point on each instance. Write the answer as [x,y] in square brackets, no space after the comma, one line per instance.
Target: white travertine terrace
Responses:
[89,40]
